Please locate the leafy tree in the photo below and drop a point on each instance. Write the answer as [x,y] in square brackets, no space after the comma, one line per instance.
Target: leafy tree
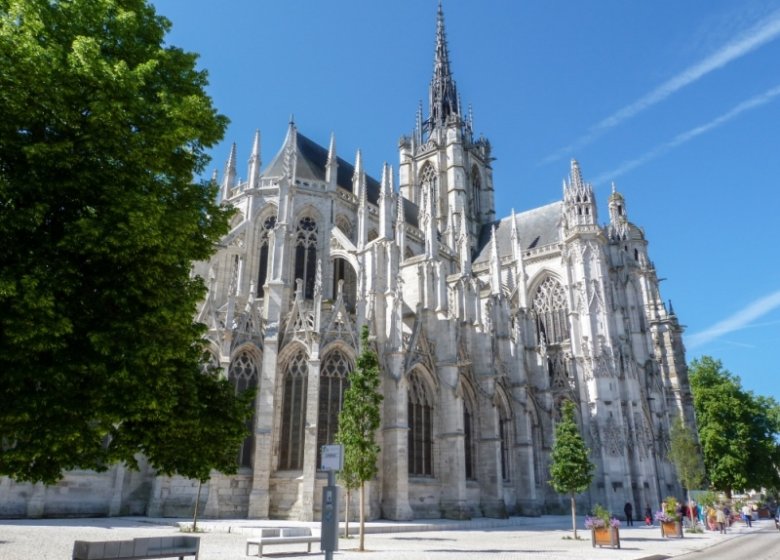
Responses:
[571,471]
[350,481]
[685,454]
[102,128]
[737,429]
[358,422]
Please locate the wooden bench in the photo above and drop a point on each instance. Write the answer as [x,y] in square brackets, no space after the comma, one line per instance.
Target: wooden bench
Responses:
[283,535]
[146,547]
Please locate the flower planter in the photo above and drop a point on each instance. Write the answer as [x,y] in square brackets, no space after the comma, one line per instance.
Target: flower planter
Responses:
[605,536]
[671,529]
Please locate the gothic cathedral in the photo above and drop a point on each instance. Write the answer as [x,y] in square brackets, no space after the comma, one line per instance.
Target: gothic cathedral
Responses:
[483,326]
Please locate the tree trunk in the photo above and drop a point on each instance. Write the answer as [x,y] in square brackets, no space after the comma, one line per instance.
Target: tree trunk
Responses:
[346,513]
[195,515]
[362,515]
[690,509]
[574,516]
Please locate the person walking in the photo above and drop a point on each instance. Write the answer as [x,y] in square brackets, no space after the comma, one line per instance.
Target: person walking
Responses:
[628,509]
[720,518]
[648,516]
[747,515]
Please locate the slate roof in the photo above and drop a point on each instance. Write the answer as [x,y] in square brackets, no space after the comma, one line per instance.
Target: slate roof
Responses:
[311,164]
[535,228]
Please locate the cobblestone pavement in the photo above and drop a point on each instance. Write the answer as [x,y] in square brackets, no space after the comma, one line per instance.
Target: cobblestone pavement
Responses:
[540,538]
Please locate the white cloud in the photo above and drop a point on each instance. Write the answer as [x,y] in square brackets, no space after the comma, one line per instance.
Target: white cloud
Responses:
[759,34]
[684,137]
[739,320]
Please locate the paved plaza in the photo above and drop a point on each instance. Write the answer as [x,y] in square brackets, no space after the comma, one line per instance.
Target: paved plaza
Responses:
[539,538]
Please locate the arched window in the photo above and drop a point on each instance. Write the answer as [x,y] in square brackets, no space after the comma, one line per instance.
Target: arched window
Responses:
[420,417]
[342,270]
[551,312]
[262,275]
[469,441]
[294,413]
[476,194]
[429,184]
[306,255]
[242,374]
[334,380]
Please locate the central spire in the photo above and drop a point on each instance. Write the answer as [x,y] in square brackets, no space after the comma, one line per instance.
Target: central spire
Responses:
[443,95]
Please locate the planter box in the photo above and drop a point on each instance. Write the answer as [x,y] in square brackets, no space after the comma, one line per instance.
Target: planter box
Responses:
[605,536]
[671,529]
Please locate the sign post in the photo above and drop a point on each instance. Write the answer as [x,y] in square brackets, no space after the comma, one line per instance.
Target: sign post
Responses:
[332,461]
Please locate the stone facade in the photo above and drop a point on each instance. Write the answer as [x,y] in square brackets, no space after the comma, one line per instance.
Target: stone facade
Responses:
[483,326]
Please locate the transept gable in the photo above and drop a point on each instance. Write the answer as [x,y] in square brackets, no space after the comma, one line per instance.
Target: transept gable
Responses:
[208,313]
[340,326]
[300,325]
[249,324]
[420,351]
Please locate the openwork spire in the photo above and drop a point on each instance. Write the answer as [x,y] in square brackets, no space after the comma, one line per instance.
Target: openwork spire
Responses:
[443,93]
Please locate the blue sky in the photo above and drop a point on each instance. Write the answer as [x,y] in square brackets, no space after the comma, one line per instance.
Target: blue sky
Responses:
[677,102]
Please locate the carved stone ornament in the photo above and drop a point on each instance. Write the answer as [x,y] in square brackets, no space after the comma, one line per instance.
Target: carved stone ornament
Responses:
[614,440]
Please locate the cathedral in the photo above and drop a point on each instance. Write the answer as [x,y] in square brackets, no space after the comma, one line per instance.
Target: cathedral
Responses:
[483,326]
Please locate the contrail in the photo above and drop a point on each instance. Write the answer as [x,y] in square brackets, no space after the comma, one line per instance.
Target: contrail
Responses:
[684,137]
[739,320]
[760,34]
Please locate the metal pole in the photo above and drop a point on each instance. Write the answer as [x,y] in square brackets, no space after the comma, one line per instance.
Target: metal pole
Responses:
[329,540]
[331,482]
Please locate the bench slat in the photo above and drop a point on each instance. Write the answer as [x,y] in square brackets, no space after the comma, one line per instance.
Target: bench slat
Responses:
[136,549]
[284,535]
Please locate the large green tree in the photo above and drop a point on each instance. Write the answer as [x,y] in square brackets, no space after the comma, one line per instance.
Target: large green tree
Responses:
[571,471]
[358,422]
[737,429]
[102,128]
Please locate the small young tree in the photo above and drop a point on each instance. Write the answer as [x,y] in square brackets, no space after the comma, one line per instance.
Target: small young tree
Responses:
[685,454]
[571,471]
[350,482]
[358,422]
[208,431]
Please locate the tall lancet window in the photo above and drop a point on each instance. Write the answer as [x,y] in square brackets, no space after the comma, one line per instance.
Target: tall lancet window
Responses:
[294,413]
[429,184]
[420,427]
[306,255]
[243,375]
[334,380]
[476,194]
[551,312]
[262,272]
[469,439]
[505,435]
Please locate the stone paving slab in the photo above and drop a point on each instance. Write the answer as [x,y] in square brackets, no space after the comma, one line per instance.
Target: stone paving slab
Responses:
[540,538]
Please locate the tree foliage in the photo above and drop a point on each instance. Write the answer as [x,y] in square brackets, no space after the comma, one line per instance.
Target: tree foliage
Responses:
[685,455]
[359,420]
[102,128]
[571,471]
[737,429]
